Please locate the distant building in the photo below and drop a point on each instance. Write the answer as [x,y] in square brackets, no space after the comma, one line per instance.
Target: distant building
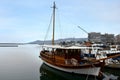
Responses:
[109,38]
[94,37]
[101,38]
[117,39]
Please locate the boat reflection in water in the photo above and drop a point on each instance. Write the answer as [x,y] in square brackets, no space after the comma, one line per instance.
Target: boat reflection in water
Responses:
[48,73]
[112,72]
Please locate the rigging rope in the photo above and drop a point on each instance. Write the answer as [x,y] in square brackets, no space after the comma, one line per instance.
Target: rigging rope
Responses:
[47,30]
[59,22]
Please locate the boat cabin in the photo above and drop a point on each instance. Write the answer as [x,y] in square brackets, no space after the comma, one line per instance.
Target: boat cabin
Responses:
[67,55]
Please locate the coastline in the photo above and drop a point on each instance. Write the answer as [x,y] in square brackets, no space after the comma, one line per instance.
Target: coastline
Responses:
[10,44]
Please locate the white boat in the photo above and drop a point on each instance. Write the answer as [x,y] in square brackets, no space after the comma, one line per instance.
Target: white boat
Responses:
[113,56]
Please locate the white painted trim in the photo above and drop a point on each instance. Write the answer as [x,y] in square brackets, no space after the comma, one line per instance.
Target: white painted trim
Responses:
[87,71]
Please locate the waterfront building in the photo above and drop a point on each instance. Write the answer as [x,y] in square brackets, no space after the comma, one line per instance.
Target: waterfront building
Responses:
[117,39]
[108,38]
[94,37]
[101,38]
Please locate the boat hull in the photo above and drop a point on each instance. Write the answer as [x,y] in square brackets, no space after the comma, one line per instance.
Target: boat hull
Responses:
[87,71]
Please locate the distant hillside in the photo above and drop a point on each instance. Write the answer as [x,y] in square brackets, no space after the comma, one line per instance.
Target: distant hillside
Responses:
[59,40]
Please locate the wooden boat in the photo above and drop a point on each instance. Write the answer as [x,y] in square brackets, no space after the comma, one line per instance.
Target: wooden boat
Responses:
[54,74]
[72,59]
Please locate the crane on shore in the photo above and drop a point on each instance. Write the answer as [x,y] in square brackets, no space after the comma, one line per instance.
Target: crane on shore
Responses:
[84,31]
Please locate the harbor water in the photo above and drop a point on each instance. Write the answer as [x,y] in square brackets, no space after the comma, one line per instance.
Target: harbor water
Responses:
[23,63]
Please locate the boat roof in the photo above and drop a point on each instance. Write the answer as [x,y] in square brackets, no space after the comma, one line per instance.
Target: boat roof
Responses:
[69,47]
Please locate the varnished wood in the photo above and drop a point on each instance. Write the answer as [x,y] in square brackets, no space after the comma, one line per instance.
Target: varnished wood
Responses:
[60,61]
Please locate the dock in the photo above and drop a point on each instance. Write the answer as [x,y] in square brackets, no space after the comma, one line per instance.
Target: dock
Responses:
[114,66]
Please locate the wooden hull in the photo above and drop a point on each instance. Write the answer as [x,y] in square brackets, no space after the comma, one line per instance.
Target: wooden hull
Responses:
[73,64]
[87,71]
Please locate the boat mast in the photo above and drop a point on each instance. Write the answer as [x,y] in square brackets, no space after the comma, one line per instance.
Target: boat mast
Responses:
[54,7]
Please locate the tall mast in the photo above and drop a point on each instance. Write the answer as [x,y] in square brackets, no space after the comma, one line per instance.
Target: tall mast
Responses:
[54,7]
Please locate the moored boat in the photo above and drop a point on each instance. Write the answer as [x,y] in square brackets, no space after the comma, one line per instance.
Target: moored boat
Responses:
[69,59]
[72,59]
[113,55]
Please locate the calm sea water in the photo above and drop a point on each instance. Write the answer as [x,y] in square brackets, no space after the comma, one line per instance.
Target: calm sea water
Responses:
[23,63]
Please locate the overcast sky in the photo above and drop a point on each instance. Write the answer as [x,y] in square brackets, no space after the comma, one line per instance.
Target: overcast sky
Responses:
[28,20]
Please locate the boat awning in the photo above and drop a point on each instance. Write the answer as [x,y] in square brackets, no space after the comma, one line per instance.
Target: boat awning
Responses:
[70,47]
